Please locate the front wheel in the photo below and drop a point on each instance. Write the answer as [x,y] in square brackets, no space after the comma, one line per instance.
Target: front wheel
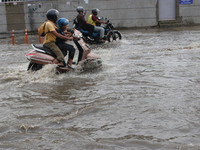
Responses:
[114,36]
[34,66]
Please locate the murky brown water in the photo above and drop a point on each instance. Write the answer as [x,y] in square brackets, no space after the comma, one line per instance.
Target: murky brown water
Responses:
[147,96]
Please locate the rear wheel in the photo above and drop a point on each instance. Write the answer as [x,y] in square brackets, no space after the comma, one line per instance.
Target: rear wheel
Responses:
[114,36]
[34,66]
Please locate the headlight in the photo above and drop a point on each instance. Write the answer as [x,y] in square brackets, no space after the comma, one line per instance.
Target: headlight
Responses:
[80,35]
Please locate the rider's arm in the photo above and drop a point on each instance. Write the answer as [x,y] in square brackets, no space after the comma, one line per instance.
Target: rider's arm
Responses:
[84,13]
[98,21]
[89,23]
[61,36]
[102,21]
[68,34]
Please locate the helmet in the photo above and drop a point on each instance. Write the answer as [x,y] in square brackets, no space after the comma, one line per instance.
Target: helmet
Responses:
[95,11]
[63,22]
[52,14]
[79,9]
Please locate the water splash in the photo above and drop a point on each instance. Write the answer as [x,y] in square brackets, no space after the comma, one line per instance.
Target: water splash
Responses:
[18,75]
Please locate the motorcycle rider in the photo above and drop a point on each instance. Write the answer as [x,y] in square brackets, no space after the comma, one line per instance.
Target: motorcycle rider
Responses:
[93,19]
[61,43]
[83,23]
[51,34]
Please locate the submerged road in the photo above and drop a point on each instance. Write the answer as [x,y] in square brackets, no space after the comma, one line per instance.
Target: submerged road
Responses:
[146,96]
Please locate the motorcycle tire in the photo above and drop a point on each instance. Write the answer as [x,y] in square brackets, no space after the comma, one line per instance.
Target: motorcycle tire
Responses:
[34,66]
[114,36]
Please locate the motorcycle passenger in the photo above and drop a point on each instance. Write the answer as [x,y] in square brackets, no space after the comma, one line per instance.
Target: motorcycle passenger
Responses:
[93,19]
[83,23]
[61,43]
[51,34]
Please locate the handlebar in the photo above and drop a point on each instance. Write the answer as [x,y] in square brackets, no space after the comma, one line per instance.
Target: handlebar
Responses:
[72,31]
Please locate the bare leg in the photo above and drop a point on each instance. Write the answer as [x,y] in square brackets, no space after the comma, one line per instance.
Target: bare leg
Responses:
[70,62]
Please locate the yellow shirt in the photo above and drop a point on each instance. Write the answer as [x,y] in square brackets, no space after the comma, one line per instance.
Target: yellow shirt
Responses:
[90,20]
[49,27]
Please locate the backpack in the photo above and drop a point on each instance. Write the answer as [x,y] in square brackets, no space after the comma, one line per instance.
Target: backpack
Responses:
[41,29]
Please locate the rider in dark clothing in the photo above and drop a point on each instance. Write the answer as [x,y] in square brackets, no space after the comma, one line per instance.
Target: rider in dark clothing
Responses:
[83,23]
[63,22]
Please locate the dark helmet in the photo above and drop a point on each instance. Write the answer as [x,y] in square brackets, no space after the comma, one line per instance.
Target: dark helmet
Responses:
[63,22]
[79,9]
[52,14]
[95,11]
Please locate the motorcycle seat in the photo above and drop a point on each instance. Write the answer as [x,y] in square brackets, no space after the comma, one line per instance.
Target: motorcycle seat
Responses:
[42,49]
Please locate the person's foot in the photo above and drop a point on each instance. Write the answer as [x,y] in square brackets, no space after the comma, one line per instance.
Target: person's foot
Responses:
[90,38]
[70,67]
[73,63]
[101,40]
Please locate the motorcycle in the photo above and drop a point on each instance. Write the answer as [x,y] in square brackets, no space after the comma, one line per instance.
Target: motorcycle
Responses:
[110,34]
[40,56]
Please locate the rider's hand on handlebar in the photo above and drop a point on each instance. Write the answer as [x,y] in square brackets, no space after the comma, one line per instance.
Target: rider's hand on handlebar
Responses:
[70,38]
[106,21]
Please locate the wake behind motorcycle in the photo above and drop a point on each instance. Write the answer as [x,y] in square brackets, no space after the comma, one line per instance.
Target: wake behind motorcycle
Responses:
[110,34]
[40,56]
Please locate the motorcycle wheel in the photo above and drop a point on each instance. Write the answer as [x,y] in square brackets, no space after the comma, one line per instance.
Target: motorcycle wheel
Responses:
[114,36]
[34,66]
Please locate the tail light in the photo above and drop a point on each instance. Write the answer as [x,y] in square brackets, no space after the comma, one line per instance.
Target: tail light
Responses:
[31,54]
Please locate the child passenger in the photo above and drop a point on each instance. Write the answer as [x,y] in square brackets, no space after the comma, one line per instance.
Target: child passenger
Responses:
[61,43]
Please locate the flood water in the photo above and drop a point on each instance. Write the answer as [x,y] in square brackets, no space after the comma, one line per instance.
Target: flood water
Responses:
[146,96]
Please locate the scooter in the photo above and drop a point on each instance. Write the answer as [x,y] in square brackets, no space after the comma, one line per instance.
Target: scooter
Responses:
[40,56]
[110,34]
